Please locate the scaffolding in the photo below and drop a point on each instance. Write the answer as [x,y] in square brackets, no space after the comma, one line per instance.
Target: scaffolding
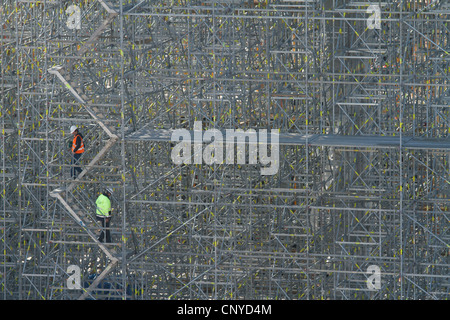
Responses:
[359,92]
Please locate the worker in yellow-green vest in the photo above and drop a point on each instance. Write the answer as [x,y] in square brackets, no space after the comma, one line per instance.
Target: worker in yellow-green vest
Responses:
[103,214]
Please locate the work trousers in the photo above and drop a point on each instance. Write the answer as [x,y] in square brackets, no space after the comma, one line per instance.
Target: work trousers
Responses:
[104,222]
[75,171]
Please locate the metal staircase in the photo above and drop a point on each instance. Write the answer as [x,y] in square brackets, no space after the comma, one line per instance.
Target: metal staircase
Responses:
[87,223]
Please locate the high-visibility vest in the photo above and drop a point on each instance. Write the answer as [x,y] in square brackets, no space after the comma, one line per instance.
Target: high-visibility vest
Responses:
[74,144]
[103,205]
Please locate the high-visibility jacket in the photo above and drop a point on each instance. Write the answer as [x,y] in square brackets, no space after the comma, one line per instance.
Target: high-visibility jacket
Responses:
[103,206]
[74,144]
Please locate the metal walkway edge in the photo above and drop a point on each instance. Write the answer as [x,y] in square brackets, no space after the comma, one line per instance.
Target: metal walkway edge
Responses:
[285,138]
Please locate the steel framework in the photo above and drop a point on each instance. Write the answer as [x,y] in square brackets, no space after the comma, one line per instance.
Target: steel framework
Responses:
[360,94]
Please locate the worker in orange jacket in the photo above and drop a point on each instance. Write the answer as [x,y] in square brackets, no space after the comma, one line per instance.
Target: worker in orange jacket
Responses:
[77,151]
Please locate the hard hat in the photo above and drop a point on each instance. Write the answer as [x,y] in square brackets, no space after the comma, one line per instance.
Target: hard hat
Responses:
[72,129]
[109,190]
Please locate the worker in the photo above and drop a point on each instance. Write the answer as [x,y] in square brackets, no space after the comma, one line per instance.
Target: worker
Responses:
[103,213]
[77,151]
